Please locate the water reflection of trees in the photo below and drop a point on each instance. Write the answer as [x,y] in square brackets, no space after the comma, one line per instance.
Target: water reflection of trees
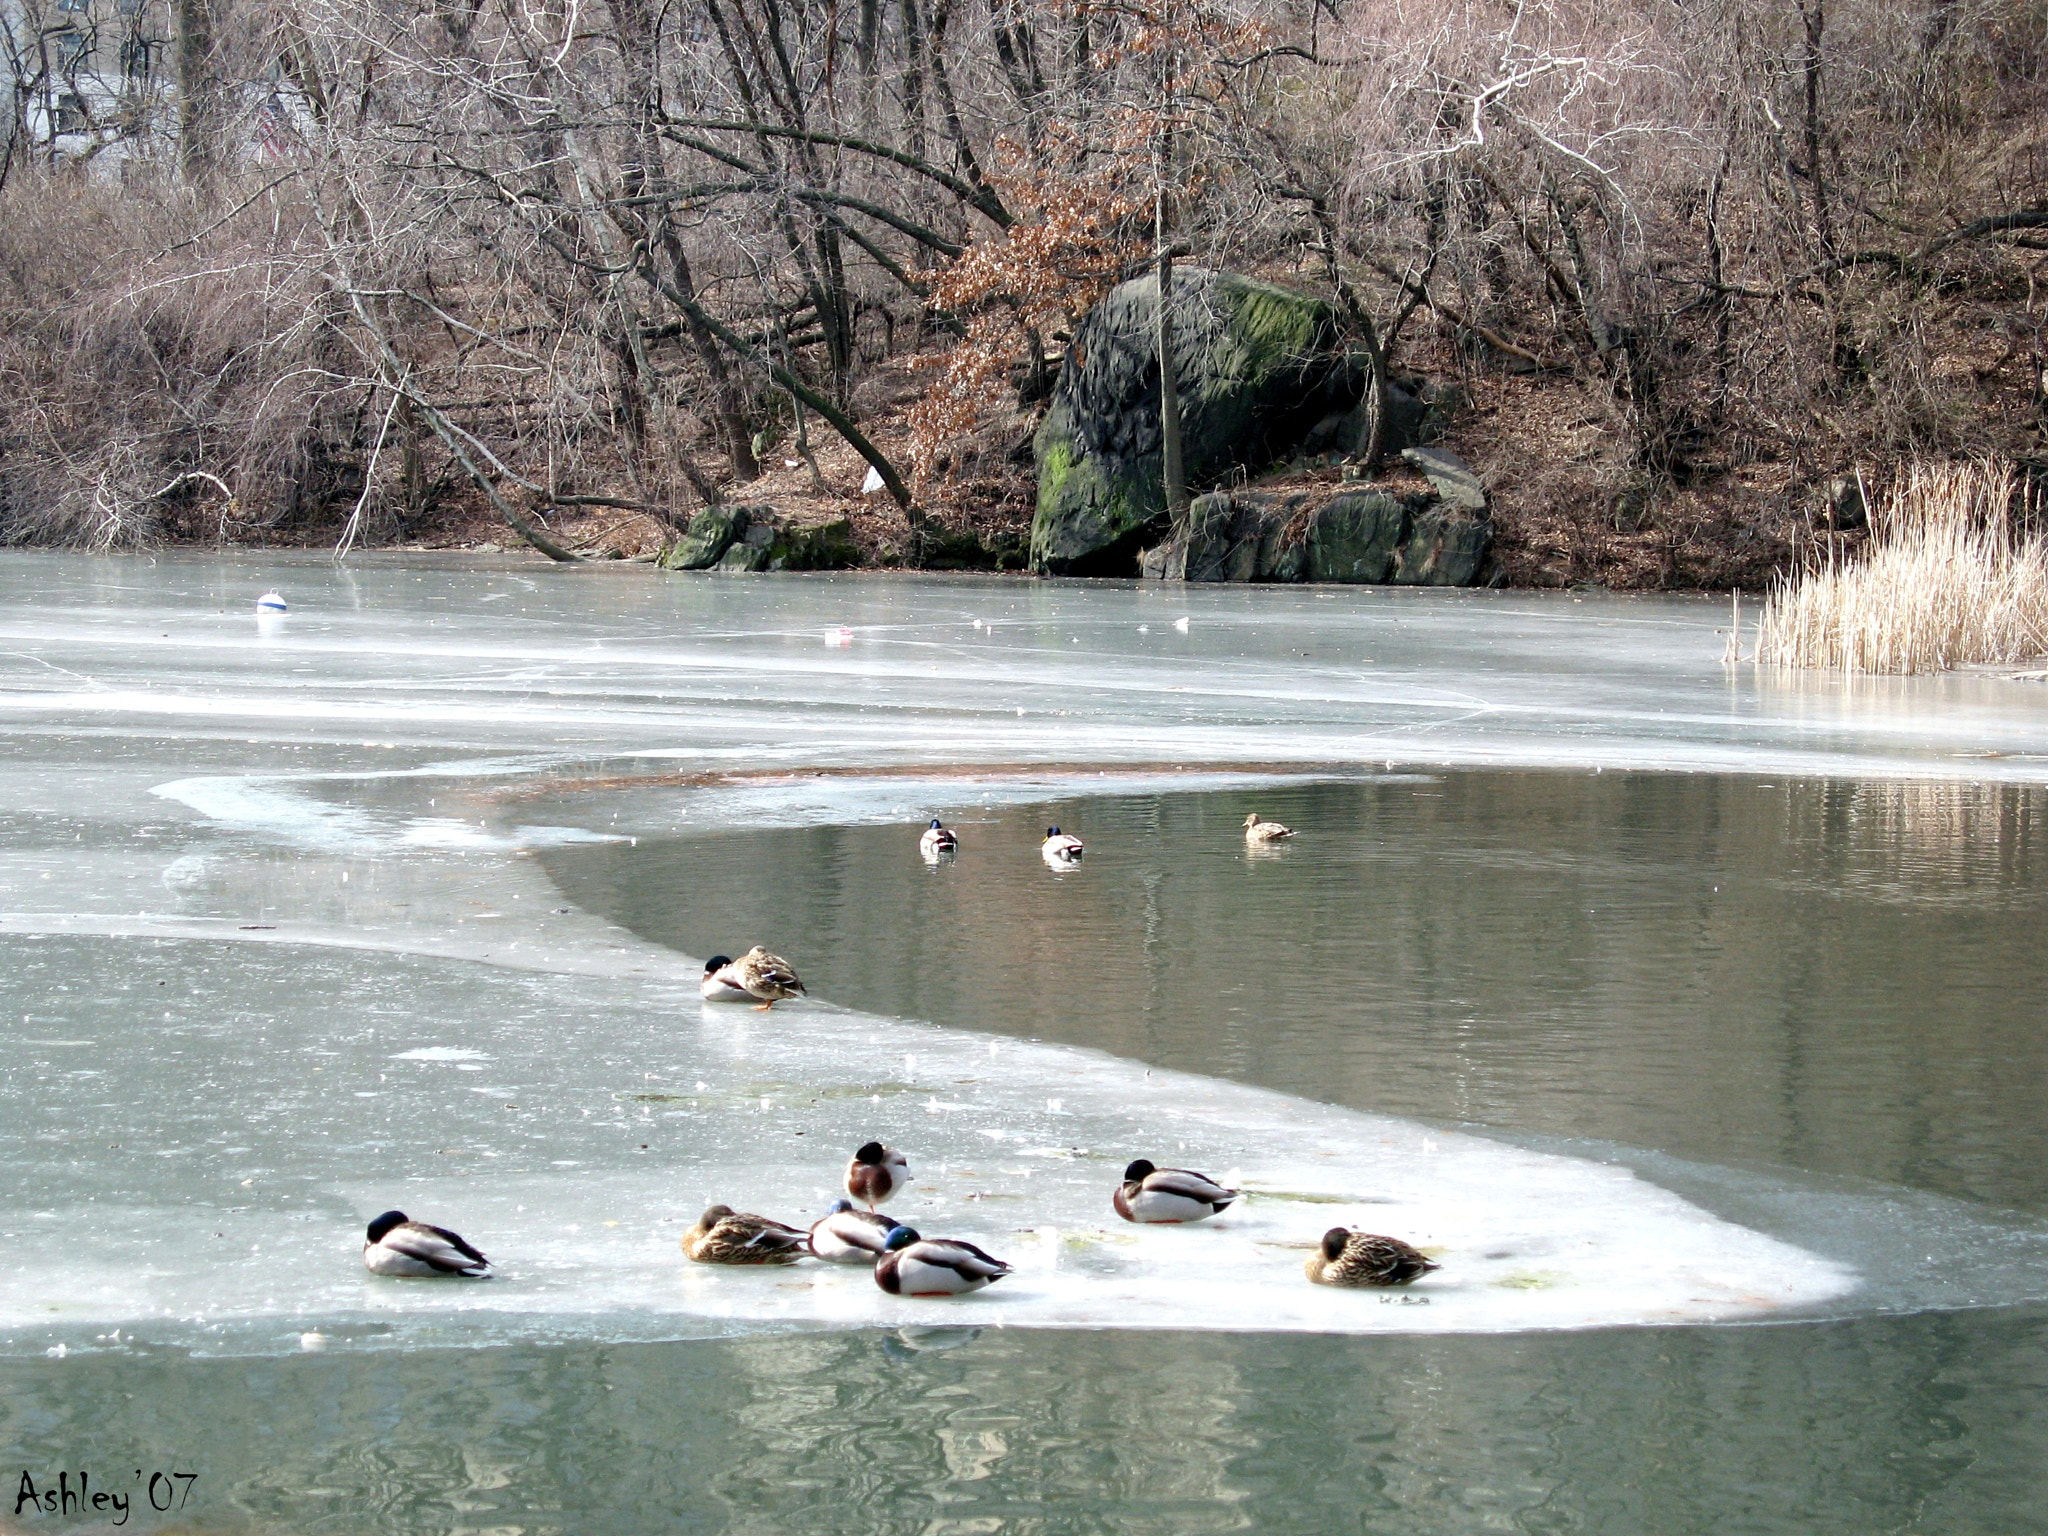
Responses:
[1831,974]
[1826,1429]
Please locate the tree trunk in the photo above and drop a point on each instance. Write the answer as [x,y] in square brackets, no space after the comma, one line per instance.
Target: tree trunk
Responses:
[644,173]
[198,93]
[1169,382]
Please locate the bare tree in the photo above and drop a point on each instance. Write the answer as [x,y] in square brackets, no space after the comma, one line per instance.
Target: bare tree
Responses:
[367,259]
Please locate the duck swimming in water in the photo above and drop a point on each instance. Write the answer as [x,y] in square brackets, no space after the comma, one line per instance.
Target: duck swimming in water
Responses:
[398,1245]
[1060,848]
[716,988]
[919,1266]
[760,976]
[1257,831]
[938,840]
[847,1236]
[726,1236]
[1167,1196]
[1360,1258]
[876,1173]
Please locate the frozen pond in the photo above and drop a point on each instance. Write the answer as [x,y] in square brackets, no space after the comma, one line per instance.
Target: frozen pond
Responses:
[399,900]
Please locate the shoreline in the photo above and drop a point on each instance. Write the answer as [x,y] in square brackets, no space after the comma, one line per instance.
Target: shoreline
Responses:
[493,549]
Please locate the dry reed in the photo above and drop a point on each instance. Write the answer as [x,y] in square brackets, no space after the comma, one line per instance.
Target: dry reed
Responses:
[1948,580]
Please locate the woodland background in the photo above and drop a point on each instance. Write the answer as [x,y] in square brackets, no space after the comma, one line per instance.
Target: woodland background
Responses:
[402,271]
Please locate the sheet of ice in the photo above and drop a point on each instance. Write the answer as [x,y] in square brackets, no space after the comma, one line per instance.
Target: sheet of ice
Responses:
[573,1127]
[398,658]
[352,789]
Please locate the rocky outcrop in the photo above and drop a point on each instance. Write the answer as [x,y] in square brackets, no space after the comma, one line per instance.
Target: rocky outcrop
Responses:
[1224,540]
[1444,546]
[817,546]
[758,539]
[1438,539]
[710,534]
[1259,368]
[1356,538]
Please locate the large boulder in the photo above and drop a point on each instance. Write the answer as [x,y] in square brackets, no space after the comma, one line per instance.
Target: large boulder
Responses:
[1258,368]
[710,534]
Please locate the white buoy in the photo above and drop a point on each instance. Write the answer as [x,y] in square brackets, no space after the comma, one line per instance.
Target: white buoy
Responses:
[270,602]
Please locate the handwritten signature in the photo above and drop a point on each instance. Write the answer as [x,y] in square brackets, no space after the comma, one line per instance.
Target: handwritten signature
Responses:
[164,1491]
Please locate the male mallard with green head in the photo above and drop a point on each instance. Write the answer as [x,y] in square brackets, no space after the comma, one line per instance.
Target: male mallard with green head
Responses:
[911,1265]
[397,1245]
[757,974]
[847,1236]
[875,1173]
[1061,849]
[1168,1196]
[716,987]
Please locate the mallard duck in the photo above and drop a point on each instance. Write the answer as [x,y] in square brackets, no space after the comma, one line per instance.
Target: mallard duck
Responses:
[1257,831]
[876,1173]
[716,987]
[1168,1196]
[761,976]
[726,1236]
[398,1245]
[1060,848]
[847,1236]
[938,839]
[1360,1258]
[911,1265]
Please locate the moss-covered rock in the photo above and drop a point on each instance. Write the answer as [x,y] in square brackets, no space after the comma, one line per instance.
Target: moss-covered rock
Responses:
[710,534]
[1258,366]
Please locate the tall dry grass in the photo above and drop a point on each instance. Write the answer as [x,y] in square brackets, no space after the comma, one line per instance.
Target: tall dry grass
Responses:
[1949,579]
